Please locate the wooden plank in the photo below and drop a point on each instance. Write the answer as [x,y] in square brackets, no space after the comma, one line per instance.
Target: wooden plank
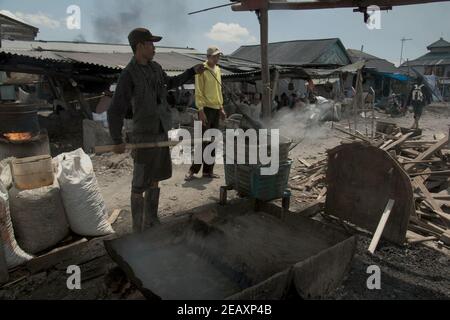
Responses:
[428,153]
[10,284]
[420,161]
[52,258]
[386,144]
[311,209]
[147,145]
[413,238]
[384,218]
[445,238]
[440,197]
[322,194]
[352,135]
[306,163]
[398,142]
[428,226]
[411,153]
[418,183]
[114,215]
[443,172]
[424,230]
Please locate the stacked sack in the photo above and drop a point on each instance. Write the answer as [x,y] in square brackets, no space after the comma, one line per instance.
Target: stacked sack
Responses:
[14,255]
[84,204]
[32,221]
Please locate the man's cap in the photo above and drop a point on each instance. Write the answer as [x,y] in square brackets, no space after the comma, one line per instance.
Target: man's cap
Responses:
[141,35]
[213,51]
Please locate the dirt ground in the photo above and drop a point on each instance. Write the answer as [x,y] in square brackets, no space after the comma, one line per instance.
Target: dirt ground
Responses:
[412,272]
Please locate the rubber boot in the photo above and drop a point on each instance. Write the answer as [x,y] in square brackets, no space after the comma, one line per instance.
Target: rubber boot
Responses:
[151,200]
[137,212]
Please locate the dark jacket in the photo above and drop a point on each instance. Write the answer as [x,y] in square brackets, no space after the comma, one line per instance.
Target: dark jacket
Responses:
[142,89]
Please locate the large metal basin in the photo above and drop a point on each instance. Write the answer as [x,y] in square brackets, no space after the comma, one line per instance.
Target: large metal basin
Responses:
[214,254]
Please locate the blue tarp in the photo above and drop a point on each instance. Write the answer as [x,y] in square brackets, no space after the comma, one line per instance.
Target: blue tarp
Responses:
[396,76]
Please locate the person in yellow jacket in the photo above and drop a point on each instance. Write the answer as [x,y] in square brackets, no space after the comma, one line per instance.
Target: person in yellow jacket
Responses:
[209,102]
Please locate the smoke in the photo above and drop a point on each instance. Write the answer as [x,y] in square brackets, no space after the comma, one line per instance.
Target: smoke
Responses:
[113,27]
[113,21]
[79,38]
[304,121]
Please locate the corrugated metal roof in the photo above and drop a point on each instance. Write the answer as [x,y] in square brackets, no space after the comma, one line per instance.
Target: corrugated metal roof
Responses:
[297,52]
[430,59]
[107,60]
[372,62]
[229,65]
[170,61]
[82,47]
[441,43]
[39,55]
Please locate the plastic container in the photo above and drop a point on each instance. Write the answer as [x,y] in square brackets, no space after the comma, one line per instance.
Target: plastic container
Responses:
[250,182]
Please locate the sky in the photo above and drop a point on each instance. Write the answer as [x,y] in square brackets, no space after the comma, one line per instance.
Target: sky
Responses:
[111,20]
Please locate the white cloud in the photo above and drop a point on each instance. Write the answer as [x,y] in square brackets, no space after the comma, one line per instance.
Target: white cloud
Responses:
[230,33]
[38,19]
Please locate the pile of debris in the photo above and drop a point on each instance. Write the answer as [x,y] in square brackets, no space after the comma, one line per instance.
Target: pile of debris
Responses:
[427,164]
[309,179]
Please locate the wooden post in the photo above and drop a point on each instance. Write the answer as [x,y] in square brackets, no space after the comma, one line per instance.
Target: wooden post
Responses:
[85,107]
[263,15]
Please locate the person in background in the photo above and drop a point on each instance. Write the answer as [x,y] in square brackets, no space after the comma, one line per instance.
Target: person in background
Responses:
[284,100]
[256,107]
[292,100]
[418,99]
[209,102]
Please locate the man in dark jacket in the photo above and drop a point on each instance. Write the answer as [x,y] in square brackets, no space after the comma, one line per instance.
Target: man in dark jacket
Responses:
[142,90]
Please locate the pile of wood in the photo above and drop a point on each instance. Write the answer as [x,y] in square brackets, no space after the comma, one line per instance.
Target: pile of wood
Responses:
[427,163]
[309,179]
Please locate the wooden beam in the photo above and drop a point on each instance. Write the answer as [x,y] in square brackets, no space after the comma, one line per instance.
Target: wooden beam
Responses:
[379,232]
[263,15]
[398,142]
[52,258]
[428,153]
[310,5]
[114,215]
[418,183]
[312,209]
[443,172]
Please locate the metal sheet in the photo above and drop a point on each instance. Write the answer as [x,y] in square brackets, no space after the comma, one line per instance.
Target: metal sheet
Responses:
[298,52]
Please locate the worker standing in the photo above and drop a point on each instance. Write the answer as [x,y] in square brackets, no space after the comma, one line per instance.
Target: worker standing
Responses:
[142,89]
[418,99]
[209,102]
